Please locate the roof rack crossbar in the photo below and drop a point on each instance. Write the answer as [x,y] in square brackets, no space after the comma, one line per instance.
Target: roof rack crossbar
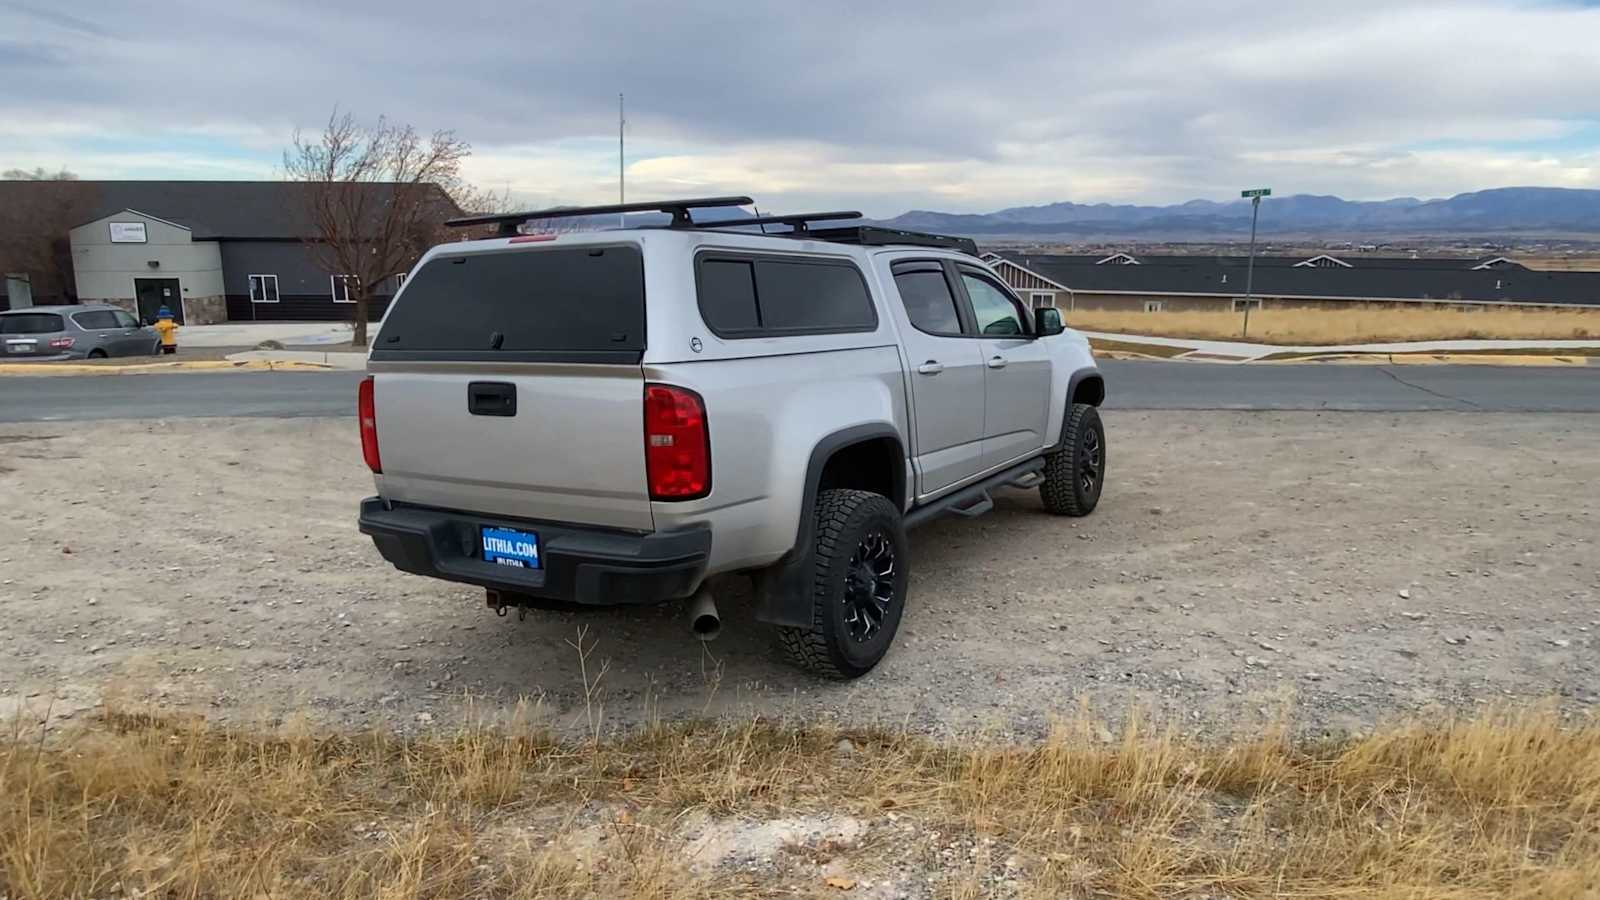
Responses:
[678,209]
[800,222]
[877,235]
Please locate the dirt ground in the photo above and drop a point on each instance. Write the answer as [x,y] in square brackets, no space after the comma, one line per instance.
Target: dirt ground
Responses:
[1351,566]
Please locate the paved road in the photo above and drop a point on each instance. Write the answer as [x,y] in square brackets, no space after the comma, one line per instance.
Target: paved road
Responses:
[61,398]
[1158,385]
[1133,385]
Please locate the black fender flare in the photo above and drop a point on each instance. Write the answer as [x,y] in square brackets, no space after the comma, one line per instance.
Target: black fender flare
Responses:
[1077,378]
[783,589]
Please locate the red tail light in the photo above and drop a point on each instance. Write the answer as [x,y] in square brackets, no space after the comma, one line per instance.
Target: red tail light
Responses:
[63,343]
[367,412]
[677,443]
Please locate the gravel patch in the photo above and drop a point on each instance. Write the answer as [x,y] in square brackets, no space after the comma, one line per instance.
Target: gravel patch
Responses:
[1347,567]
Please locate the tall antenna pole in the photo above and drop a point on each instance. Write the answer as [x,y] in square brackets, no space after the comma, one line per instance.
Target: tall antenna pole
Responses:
[622,192]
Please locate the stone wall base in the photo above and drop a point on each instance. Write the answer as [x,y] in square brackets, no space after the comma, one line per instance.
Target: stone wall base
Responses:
[205,310]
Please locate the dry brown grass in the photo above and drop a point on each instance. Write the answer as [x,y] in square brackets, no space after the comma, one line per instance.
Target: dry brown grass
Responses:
[1350,326]
[1505,805]
[1105,347]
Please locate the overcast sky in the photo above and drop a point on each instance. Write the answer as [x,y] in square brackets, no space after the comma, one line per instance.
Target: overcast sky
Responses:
[954,106]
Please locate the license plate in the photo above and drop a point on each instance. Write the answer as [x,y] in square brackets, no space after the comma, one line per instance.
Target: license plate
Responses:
[509,547]
[20,347]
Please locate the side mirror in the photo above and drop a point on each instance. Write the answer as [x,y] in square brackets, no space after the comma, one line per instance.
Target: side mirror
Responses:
[1047,321]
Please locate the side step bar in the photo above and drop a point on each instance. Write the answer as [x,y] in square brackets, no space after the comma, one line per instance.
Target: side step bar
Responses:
[981,505]
[974,500]
[1030,480]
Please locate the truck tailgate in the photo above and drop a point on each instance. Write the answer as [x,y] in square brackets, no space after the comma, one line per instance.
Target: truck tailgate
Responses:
[572,452]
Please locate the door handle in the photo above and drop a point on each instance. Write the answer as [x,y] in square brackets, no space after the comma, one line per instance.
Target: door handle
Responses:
[492,398]
[997,362]
[931,367]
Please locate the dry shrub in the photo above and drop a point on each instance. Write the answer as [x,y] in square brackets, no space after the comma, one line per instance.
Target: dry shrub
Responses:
[1322,327]
[1504,805]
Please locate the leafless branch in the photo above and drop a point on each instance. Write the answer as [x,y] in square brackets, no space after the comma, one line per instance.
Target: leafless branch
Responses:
[376,197]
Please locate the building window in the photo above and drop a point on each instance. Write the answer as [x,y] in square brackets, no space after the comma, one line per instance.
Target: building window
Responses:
[339,286]
[263,289]
[399,281]
[1155,305]
[1242,305]
[1043,298]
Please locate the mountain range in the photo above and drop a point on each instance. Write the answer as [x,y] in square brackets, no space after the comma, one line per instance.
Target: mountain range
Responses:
[1502,210]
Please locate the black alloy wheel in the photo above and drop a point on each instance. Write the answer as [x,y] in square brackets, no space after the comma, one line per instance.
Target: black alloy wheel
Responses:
[869,586]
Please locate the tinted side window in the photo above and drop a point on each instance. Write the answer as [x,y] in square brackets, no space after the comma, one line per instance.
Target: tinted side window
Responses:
[95,321]
[796,296]
[31,323]
[996,314]
[928,300]
[728,295]
[578,302]
[125,320]
[753,296]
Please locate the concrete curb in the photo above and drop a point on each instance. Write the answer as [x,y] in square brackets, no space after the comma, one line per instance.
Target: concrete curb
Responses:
[1440,359]
[199,365]
[1473,352]
[1127,349]
[350,360]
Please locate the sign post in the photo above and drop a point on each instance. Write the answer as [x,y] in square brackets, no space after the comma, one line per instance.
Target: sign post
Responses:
[1254,195]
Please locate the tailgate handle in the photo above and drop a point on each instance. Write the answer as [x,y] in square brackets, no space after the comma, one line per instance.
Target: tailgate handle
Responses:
[492,398]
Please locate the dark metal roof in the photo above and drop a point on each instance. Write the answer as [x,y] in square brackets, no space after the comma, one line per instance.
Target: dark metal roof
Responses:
[1375,278]
[262,210]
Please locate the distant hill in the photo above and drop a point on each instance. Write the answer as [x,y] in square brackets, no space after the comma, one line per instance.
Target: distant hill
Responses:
[1502,210]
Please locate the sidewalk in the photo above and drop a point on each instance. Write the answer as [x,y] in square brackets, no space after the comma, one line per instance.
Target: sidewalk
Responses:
[249,334]
[1240,351]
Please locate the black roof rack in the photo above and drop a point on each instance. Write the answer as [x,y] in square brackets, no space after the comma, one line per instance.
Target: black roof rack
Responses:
[678,209]
[876,235]
[800,222]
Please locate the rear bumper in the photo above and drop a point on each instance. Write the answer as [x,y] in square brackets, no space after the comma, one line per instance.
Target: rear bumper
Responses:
[590,566]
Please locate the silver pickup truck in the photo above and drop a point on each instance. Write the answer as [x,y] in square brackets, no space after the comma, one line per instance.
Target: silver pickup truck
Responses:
[623,417]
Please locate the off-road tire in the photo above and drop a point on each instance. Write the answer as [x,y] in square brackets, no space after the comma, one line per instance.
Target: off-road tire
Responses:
[1064,491]
[846,520]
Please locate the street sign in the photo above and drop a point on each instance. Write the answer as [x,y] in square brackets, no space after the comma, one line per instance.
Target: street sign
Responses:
[1258,192]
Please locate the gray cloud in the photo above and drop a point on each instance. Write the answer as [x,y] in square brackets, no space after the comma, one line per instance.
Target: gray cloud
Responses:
[959,105]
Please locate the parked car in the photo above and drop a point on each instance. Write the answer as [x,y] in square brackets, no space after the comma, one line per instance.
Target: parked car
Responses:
[40,333]
[621,417]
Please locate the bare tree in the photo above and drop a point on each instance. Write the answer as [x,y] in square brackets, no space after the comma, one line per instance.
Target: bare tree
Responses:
[37,209]
[375,196]
[38,173]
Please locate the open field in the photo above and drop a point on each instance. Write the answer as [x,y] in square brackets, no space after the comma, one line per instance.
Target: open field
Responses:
[139,806]
[1349,326]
